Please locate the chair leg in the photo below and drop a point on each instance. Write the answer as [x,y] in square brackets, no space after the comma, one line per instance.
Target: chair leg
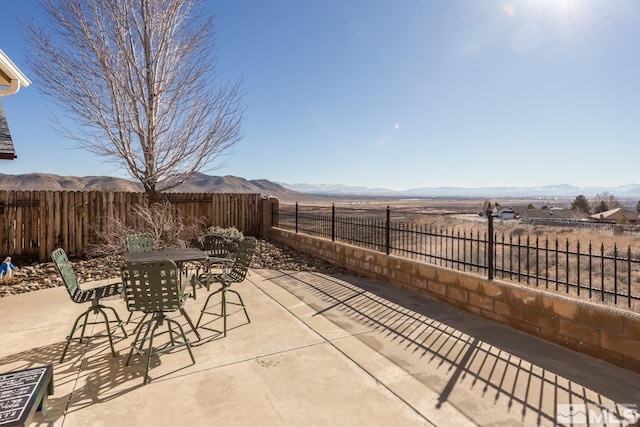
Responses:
[106,321]
[151,326]
[224,311]
[84,323]
[146,333]
[150,351]
[120,323]
[173,341]
[241,304]
[194,284]
[142,321]
[95,308]
[73,331]
[225,302]
[184,337]
[135,340]
[193,328]
[204,307]
[201,279]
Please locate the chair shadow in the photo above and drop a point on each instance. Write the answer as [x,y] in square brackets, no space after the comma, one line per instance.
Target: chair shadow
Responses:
[493,361]
[89,375]
[217,333]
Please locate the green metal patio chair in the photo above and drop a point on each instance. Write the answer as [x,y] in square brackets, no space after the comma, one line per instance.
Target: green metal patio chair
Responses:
[213,244]
[218,250]
[142,242]
[78,295]
[236,274]
[153,288]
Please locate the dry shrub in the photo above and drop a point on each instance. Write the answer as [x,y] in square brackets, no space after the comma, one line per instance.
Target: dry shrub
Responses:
[517,232]
[538,232]
[162,220]
[231,234]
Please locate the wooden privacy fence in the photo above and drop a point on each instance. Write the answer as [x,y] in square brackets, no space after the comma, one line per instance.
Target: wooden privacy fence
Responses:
[34,223]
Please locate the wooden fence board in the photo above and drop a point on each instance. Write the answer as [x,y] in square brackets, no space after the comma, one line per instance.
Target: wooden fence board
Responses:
[38,240]
[29,220]
[34,223]
[67,220]
[10,214]
[84,215]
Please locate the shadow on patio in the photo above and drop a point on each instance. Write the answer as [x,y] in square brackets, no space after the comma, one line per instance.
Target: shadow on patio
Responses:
[488,371]
[319,350]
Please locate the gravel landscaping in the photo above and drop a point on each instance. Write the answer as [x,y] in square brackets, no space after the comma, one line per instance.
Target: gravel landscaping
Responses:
[268,255]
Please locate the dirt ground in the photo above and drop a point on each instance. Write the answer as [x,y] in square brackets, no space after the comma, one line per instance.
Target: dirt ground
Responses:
[463,214]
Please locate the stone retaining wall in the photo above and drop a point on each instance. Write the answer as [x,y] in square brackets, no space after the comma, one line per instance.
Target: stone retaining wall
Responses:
[599,331]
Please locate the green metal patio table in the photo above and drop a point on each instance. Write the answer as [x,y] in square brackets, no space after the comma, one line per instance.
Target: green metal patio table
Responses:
[177,255]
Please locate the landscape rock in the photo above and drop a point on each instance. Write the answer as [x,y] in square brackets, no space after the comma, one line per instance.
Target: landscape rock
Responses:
[268,256]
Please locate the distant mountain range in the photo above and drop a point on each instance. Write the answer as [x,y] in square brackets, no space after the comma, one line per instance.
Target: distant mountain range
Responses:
[560,190]
[199,183]
[303,192]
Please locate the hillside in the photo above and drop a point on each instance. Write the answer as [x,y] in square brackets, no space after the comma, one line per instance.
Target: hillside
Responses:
[199,183]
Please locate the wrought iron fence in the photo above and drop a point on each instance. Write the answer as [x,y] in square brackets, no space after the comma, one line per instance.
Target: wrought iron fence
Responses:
[608,275]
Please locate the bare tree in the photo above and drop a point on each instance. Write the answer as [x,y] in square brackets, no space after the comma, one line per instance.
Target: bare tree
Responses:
[137,79]
[604,202]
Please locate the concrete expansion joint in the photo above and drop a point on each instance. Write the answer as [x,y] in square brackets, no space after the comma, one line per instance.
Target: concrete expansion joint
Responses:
[330,342]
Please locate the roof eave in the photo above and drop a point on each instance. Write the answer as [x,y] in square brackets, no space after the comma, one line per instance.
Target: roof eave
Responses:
[17,79]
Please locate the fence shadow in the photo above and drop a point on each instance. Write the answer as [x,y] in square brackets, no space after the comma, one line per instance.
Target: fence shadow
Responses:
[459,354]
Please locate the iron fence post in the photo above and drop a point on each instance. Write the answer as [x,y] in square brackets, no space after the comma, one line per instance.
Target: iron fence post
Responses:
[490,244]
[629,276]
[296,217]
[388,231]
[333,222]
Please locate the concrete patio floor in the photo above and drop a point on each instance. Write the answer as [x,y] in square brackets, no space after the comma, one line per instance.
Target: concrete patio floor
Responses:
[319,351]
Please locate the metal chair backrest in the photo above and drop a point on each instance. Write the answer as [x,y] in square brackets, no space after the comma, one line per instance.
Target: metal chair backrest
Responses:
[152,287]
[214,245]
[63,265]
[143,242]
[246,249]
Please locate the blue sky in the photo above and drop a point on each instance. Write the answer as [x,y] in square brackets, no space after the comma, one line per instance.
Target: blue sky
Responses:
[404,94]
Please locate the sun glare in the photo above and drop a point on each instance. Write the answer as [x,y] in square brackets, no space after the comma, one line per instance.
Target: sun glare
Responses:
[556,8]
[564,9]
[539,19]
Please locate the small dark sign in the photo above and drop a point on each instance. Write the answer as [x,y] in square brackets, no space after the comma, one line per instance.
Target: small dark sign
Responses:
[22,392]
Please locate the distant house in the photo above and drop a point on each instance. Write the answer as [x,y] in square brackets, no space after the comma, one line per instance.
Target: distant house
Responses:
[504,212]
[617,216]
[11,80]
[550,215]
[518,209]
